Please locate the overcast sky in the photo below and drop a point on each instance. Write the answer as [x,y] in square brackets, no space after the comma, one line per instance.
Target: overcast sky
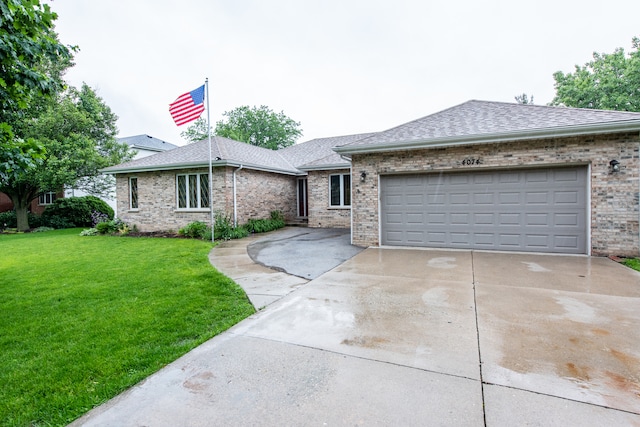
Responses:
[337,66]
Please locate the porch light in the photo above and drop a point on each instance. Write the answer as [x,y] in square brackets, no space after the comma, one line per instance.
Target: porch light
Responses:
[615,166]
[363,176]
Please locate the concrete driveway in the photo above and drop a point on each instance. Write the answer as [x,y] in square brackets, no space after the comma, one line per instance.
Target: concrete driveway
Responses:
[411,337]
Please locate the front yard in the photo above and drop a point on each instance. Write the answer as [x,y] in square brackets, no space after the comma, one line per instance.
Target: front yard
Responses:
[84,318]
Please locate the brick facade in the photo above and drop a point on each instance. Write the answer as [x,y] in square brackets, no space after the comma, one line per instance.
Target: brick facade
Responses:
[257,194]
[320,213]
[615,212]
[34,207]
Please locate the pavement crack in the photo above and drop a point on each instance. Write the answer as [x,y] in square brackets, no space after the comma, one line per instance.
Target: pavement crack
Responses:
[475,308]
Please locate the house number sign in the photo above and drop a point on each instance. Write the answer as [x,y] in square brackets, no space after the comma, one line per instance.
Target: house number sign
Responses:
[471,161]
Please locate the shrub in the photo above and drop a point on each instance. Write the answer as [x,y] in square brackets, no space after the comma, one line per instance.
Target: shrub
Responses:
[195,230]
[275,222]
[42,229]
[89,232]
[98,217]
[9,220]
[75,212]
[222,226]
[114,226]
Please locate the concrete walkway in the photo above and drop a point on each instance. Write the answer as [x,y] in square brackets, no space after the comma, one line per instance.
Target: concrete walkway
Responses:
[410,337]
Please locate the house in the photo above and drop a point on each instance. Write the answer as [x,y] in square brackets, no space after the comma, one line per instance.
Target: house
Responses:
[142,146]
[480,175]
[169,190]
[146,145]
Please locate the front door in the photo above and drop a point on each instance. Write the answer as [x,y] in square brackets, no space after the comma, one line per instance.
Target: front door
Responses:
[302,198]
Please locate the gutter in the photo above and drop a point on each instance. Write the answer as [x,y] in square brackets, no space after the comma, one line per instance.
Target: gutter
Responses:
[567,131]
[152,168]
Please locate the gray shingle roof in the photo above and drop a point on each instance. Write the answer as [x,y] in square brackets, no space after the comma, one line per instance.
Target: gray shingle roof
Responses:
[318,153]
[147,142]
[224,151]
[482,121]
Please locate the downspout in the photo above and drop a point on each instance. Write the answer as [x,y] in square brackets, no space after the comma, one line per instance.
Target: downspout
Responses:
[343,157]
[235,204]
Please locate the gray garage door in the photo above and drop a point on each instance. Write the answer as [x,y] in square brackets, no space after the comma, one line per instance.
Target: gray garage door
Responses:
[533,210]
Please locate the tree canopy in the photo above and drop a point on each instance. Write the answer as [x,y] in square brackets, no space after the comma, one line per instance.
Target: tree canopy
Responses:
[28,49]
[524,99]
[197,131]
[608,82]
[259,126]
[78,132]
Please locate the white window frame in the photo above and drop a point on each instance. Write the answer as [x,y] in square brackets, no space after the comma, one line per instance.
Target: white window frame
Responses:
[342,191]
[198,206]
[46,198]
[137,194]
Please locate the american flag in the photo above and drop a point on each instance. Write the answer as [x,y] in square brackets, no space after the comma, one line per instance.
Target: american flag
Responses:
[188,106]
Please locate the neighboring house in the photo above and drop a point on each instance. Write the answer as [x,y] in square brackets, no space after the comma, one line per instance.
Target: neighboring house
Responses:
[37,205]
[146,145]
[480,175]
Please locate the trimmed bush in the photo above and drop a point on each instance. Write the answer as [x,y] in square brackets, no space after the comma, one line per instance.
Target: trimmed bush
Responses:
[195,230]
[114,226]
[75,212]
[9,218]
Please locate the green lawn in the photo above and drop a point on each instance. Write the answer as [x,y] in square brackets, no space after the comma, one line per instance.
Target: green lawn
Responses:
[84,318]
[632,263]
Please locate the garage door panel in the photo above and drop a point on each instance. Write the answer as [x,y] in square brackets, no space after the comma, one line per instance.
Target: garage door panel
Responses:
[527,210]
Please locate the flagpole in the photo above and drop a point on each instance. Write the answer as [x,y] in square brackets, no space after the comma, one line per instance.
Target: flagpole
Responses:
[206,84]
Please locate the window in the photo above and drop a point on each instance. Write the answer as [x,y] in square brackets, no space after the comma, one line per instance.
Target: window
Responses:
[340,190]
[193,191]
[46,198]
[133,193]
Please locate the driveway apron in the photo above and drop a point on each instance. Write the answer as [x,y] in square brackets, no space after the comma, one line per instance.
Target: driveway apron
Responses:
[410,337]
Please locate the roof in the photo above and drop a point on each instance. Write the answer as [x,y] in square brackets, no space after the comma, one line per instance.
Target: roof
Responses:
[318,153]
[294,160]
[224,152]
[147,142]
[475,122]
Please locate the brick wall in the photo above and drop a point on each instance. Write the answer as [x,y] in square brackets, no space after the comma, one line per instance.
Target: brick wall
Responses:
[615,208]
[320,213]
[258,193]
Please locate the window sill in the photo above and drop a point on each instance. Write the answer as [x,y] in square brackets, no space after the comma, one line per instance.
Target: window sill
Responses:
[193,210]
[344,208]
[133,210]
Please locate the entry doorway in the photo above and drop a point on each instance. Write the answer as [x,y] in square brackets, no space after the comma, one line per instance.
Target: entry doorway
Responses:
[302,198]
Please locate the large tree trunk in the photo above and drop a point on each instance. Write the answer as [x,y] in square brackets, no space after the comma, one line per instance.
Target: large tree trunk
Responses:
[21,195]
[22,213]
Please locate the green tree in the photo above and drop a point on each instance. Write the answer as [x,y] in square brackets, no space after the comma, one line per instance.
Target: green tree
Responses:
[78,132]
[28,45]
[259,126]
[197,131]
[524,99]
[608,82]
